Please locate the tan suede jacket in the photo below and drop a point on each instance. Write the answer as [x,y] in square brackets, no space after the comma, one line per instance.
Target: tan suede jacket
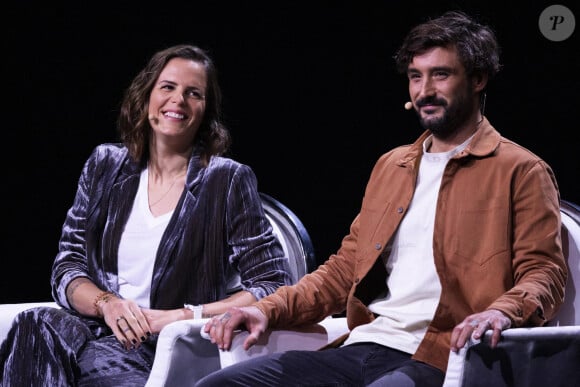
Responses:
[496,243]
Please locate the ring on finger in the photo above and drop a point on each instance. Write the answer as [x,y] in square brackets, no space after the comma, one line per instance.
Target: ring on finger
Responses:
[474,323]
[120,318]
[126,329]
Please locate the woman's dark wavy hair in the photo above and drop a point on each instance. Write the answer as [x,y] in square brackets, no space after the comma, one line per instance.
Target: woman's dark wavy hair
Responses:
[212,138]
[476,43]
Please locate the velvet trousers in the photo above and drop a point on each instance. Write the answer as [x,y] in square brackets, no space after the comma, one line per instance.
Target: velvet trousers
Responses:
[57,348]
[363,364]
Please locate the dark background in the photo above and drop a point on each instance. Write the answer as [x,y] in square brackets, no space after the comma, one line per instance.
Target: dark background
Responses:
[312,99]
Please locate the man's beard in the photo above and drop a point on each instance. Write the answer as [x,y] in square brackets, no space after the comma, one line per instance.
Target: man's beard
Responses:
[454,115]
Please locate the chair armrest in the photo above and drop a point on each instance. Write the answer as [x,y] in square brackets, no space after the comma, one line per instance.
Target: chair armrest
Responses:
[9,311]
[456,364]
[539,356]
[311,337]
[182,356]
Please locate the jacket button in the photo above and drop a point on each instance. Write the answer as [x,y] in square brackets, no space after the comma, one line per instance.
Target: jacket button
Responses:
[400,210]
[378,246]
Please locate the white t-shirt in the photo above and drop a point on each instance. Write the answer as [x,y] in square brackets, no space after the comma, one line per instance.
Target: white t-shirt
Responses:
[414,287]
[138,247]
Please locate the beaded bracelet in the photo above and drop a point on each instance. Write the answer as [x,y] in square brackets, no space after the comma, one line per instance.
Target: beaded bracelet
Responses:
[102,297]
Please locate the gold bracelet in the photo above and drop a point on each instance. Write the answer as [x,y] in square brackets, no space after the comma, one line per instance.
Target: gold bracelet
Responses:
[102,297]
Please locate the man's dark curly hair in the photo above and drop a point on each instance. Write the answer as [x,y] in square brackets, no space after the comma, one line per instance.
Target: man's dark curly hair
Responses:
[476,43]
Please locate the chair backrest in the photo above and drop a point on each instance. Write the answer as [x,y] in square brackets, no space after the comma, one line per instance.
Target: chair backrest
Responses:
[569,313]
[292,235]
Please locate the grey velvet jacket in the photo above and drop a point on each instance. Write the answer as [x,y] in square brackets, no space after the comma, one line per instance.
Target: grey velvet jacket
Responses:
[217,238]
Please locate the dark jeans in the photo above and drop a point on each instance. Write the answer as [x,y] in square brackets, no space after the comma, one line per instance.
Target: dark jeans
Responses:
[363,364]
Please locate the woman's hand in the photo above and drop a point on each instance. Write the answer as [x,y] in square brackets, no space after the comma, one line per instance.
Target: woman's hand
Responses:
[127,321]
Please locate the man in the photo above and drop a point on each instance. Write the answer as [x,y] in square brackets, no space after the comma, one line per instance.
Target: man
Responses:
[458,233]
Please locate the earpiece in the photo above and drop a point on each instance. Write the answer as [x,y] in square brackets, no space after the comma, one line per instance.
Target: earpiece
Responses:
[408,105]
[154,119]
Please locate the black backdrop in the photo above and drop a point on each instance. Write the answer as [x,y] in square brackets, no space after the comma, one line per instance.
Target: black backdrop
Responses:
[311,96]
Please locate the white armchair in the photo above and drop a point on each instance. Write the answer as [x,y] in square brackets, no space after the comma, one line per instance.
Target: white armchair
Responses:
[182,355]
[539,356]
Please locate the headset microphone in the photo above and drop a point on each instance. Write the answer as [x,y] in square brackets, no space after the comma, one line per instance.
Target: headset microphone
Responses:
[154,119]
[408,105]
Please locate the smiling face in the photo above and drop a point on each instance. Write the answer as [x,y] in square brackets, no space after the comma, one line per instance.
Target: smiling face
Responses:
[444,96]
[177,101]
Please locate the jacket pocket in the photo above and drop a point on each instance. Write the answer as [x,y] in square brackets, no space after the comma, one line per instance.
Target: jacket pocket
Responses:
[482,231]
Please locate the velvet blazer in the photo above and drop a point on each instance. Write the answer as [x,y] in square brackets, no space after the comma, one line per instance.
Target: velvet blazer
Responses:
[217,241]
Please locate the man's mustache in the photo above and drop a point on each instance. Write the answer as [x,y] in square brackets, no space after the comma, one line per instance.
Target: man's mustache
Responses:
[431,101]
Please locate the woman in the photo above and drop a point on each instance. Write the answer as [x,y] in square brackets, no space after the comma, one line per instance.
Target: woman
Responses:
[159,221]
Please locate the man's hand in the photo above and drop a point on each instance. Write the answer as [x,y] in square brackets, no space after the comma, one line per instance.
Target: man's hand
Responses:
[221,328]
[476,325]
